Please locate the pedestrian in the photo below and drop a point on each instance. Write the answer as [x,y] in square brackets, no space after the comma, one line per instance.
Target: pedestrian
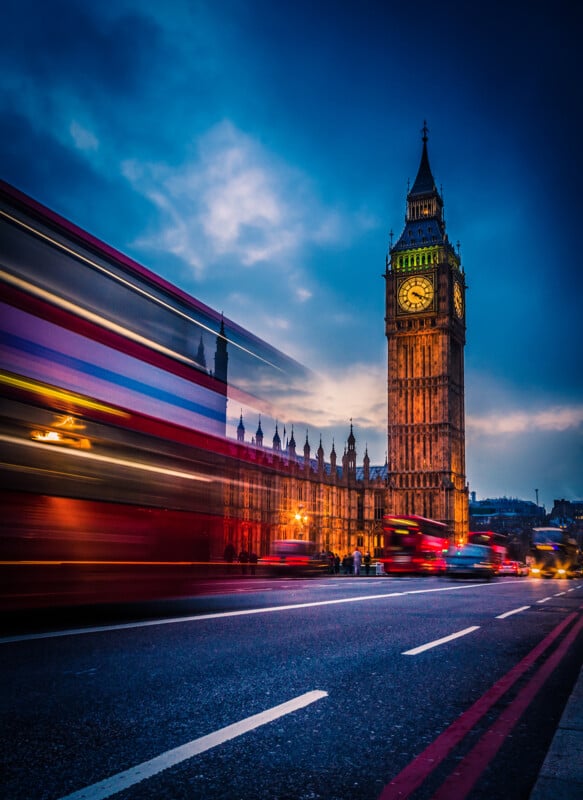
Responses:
[367,560]
[345,564]
[253,559]
[229,555]
[357,561]
[244,560]
[337,564]
[330,560]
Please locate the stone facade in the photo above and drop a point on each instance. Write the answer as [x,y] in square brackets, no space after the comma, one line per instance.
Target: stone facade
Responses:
[338,506]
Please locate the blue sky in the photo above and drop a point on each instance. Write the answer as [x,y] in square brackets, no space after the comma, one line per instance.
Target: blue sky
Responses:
[257,155]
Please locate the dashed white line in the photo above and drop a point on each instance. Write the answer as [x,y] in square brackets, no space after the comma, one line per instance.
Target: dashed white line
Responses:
[510,613]
[123,780]
[544,600]
[422,648]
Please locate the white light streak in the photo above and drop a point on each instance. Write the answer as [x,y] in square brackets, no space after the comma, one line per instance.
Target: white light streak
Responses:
[120,462]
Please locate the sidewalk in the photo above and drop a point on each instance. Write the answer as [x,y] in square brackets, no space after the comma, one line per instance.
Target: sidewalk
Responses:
[561,775]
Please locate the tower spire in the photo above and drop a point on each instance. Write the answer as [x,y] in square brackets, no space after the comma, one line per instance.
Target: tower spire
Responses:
[424,182]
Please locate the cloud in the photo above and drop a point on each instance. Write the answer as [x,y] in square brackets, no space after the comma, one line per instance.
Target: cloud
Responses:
[83,138]
[326,403]
[235,200]
[553,418]
[303,294]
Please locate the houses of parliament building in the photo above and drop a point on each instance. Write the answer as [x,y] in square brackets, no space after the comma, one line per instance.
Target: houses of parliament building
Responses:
[340,505]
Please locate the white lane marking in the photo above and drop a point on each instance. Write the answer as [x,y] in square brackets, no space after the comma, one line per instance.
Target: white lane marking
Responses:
[123,780]
[220,615]
[510,613]
[422,648]
[558,594]
[544,600]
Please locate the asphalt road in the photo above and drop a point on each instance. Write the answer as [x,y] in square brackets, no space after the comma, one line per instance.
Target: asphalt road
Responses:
[292,690]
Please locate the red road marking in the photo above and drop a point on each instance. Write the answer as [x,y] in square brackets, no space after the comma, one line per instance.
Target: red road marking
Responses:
[417,771]
[467,772]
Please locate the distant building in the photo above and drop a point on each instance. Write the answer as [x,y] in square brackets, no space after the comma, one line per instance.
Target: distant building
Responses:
[568,514]
[505,514]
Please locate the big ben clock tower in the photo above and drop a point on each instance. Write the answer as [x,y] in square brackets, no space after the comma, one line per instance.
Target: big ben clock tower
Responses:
[426,332]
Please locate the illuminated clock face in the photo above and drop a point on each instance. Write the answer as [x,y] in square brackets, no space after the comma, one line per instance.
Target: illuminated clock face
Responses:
[458,300]
[416,293]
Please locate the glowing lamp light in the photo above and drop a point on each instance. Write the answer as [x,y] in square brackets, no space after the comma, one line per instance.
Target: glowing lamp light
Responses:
[52,437]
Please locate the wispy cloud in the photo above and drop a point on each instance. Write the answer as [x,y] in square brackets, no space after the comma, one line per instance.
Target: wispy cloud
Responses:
[552,418]
[235,199]
[83,138]
[325,403]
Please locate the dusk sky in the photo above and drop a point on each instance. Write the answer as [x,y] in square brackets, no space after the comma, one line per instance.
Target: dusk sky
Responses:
[257,154]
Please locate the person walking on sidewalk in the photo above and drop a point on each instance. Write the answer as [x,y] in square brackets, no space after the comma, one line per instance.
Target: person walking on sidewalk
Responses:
[367,560]
[357,561]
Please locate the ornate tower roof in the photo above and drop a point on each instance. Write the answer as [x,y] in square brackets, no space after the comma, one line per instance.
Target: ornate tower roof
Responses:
[424,221]
[351,438]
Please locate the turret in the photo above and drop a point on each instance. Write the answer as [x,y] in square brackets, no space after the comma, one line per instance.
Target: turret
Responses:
[221,355]
[241,429]
[259,435]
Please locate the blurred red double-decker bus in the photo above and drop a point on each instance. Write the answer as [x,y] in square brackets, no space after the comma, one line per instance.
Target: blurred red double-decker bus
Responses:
[414,544]
[117,479]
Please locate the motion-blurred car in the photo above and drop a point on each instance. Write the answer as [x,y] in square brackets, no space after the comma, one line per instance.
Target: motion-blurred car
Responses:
[516,568]
[294,557]
[470,561]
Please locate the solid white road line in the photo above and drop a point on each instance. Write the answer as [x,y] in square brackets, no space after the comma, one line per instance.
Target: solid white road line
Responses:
[123,780]
[422,648]
[222,614]
[510,613]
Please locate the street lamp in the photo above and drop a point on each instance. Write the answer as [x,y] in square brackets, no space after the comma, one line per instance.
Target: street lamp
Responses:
[301,520]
